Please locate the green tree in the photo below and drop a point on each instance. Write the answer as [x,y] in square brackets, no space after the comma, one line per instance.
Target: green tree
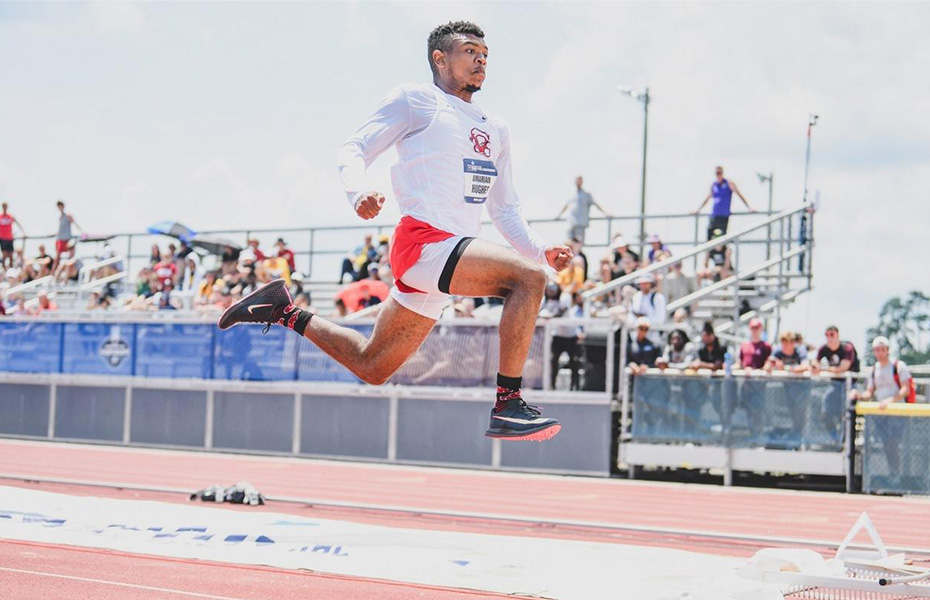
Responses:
[906,322]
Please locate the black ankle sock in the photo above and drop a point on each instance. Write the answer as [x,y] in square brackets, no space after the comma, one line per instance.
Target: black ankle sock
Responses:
[508,388]
[297,319]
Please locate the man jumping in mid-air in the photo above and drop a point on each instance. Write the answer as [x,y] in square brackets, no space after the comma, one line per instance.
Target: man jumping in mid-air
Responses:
[454,158]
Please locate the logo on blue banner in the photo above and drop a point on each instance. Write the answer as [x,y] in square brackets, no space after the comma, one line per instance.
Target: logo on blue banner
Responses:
[114,351]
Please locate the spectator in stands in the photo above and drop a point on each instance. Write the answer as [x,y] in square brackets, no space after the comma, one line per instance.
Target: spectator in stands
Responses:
[339,309]
[166,268]
[275,267]
[193,274]
[204,295]
[302,301]
[63,239]
[647,302]
[657,250]
[6,234]
[68,269]
[19,306]
[572,279]
[676,285]
[230,259]
[287,254]
[890,382]
[43,262]
[711,353]
[836,356]
[43,305]
[721,191]
[719,261]
[252,255]
[565,341]
[166,299]
[642,351]
[578,250]
[754,353]
[552,304]
[155,255]
[620,248]
[579,211]
[680,319]
[679,353]
[356,264]
[790,356]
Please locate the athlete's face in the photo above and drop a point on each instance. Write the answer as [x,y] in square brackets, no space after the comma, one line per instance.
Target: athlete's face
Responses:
[464,65]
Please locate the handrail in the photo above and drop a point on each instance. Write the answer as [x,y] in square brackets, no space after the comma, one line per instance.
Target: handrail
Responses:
[48,279]
[98,265]
[608,287]
[724,283]
[95,283]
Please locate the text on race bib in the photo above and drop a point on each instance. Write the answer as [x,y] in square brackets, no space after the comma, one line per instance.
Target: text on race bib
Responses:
[479,178]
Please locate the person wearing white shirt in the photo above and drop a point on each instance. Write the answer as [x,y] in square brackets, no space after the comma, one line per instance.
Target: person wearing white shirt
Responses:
[454,159]
[647,302]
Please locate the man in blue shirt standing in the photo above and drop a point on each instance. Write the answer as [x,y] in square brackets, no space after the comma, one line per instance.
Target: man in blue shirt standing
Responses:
[722,192]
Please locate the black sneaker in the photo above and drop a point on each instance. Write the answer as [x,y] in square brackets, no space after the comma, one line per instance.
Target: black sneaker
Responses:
[269,304]
[517,420]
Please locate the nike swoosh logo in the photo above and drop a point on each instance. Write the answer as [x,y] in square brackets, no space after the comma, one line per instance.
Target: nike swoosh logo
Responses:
[536,421]
[254,306]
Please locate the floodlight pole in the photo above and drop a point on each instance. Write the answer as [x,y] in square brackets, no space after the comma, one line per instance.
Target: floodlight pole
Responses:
[770,179]
[811,121]
[644,98]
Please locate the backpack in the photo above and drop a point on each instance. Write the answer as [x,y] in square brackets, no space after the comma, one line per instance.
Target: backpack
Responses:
[911,397]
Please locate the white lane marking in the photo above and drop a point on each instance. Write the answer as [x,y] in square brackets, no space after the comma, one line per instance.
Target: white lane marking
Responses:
[116,583]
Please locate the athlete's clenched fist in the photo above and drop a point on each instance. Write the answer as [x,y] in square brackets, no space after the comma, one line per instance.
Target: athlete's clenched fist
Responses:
[559,257]
[369,205]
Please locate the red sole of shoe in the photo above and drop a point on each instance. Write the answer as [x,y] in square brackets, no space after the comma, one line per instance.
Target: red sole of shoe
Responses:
[539,436]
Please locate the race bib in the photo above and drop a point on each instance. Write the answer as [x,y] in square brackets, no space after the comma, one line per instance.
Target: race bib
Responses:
[479,178]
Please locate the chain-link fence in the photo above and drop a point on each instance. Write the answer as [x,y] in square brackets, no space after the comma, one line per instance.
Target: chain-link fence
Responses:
[895,451]
[739,412]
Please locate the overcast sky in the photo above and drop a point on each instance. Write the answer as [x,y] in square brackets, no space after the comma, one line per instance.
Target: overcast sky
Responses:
[229,115]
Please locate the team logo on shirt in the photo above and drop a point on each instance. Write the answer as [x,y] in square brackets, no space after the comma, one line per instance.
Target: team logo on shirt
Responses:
[482,141]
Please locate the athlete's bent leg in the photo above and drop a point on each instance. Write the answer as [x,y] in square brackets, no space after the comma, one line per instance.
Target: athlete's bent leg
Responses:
[397,335]
[486,269]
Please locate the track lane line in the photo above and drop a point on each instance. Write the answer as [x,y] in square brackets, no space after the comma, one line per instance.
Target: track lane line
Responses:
[148,588]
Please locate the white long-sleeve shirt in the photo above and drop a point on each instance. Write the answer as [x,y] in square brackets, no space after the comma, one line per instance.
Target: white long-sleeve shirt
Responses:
[453,159]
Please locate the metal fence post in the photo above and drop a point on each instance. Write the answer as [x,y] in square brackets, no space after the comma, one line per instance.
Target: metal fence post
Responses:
[697,240]
[736,281]
[547,356]
[310,258]
[849,444]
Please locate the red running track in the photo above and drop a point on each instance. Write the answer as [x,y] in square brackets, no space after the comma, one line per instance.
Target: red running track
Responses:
[741,511]
[50,572]
[30,571]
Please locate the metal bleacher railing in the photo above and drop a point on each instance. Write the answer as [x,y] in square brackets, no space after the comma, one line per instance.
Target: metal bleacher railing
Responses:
[319,250]
[772,276]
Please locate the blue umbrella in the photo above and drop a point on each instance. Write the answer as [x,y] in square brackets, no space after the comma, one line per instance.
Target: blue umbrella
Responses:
[173,229]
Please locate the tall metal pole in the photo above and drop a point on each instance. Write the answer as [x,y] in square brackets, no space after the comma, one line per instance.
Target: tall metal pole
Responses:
[642,201]
[807,155]
[811,121]
[770,178]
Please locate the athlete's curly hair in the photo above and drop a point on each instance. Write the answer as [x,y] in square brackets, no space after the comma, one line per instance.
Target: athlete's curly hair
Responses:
[441,37]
